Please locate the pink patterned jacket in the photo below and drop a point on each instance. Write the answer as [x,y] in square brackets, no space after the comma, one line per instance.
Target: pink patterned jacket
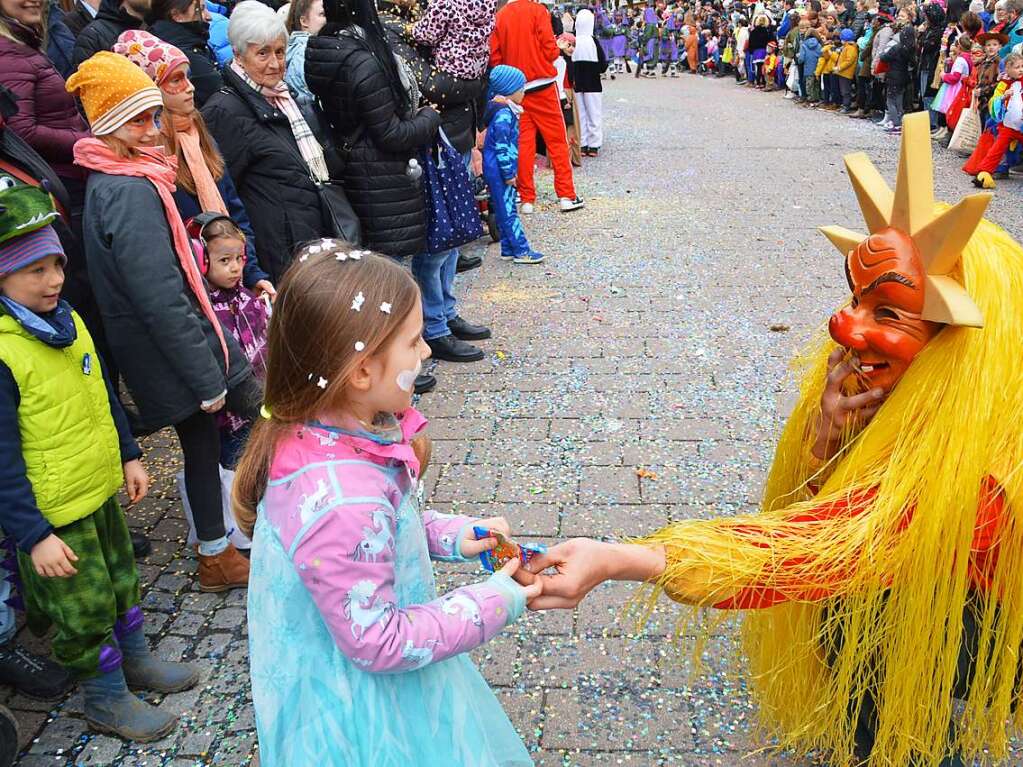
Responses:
[344,506]
[459,32]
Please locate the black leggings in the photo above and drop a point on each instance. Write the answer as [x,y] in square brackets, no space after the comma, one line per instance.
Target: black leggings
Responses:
[200,444]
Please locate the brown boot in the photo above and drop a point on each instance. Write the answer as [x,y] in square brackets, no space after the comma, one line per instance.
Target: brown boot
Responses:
[224,571]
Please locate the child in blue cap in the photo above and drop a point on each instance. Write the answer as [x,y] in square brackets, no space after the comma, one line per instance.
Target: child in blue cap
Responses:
[501,160]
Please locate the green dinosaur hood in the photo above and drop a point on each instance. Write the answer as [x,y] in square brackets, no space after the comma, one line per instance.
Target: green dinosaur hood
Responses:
[23,208]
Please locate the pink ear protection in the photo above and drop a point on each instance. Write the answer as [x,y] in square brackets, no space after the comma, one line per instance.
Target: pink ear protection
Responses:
[196,227]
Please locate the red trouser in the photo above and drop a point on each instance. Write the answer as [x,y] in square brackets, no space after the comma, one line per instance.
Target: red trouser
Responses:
[542,112]
[990,150]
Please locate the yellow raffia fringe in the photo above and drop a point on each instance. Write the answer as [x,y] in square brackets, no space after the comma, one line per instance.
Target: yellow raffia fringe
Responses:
[899,595]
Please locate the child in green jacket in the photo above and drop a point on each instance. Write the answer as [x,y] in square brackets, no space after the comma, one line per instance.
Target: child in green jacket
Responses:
[65,450]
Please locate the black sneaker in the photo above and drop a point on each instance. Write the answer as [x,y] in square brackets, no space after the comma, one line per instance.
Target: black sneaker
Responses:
[8,737]
[32,675]
[453,349]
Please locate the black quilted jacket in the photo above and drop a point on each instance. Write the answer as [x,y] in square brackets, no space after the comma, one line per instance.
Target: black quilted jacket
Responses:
[343,72]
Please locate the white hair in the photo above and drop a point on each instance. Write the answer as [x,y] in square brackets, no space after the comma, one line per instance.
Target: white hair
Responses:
[253,23]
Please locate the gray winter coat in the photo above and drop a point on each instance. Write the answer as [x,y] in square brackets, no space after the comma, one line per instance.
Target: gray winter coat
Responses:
[168,352]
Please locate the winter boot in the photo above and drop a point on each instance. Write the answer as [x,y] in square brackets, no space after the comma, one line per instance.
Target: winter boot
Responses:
[144,670]
[224,571]
[111,709]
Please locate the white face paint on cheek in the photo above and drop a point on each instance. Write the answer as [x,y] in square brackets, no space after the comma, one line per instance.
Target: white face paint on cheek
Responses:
[407,378]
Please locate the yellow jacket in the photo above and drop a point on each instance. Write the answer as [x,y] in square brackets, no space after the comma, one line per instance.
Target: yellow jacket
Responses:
[847,58]
[826,63]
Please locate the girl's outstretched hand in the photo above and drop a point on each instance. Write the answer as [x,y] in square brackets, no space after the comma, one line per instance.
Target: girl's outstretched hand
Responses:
[533,590]
[471,547]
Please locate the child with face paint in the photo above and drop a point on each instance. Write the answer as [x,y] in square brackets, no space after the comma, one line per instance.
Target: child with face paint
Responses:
[355,658]
[220,243]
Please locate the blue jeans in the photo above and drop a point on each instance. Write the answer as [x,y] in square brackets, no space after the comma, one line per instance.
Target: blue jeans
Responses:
[8,625]
[435,275]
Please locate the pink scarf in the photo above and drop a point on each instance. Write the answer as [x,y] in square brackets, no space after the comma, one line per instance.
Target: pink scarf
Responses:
[187,136]
[160,171]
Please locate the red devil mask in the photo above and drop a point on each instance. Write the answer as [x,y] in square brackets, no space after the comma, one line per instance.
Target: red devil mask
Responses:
[881,325]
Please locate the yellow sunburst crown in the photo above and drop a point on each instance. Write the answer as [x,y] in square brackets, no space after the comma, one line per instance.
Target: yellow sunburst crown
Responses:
[939,239]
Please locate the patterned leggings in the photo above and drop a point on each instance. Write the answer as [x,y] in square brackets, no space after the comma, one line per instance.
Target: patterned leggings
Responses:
[86,606]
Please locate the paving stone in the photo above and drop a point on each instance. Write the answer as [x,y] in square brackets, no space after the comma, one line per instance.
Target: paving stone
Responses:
[228,618]
[616,719]
[60,736]
[100,751]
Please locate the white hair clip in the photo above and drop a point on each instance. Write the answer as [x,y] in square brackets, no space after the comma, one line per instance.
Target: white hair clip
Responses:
[326,242]
[309,377]
[356,255]
[358,301]
[314,249]
[341,256]
[322,383]
[359,346]
[304,257]
[385,308]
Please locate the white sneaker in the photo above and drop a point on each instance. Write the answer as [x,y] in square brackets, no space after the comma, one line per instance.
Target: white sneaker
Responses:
[941,135]
[790,95]
[885,124]
[527,208]
[568,204]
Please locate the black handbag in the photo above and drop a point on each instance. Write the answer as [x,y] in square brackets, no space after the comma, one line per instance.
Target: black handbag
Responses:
[338,212]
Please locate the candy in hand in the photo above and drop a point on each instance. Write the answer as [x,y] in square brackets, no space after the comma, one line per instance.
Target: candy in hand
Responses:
[505,550]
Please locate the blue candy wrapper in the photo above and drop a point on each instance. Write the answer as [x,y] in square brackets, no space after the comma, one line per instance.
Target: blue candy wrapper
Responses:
[506,549]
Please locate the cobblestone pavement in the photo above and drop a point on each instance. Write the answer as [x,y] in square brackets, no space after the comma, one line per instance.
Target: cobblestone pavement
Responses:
[645,341]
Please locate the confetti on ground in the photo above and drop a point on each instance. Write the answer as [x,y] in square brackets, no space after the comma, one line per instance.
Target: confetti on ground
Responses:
[678,380]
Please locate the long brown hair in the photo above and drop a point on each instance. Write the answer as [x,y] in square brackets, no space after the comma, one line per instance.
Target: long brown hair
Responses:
[296,11]
[312,336]
[210,153]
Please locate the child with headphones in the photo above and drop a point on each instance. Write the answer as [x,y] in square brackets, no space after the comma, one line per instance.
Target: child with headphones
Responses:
[219,245]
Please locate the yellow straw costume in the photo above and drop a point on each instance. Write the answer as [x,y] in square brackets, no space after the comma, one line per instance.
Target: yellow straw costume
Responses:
[876,599]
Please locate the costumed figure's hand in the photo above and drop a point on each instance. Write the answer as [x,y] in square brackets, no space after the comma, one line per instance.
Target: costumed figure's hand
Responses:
[52,558]
[840,412]
[136,481]
[582,564]
[471,546]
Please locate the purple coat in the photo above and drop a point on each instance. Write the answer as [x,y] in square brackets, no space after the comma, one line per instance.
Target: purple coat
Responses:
[47,117]
[245,317]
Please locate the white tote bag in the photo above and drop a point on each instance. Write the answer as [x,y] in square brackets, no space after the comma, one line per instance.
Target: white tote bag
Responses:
[234,535]
[793,80]
[967,132]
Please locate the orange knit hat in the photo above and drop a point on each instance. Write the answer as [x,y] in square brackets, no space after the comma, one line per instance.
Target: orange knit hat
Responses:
[112,90]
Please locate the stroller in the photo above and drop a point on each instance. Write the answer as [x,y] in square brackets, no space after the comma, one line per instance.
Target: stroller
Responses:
[488,216]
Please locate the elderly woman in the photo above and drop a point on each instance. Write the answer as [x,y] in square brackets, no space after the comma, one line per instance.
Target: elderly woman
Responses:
[271,153]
